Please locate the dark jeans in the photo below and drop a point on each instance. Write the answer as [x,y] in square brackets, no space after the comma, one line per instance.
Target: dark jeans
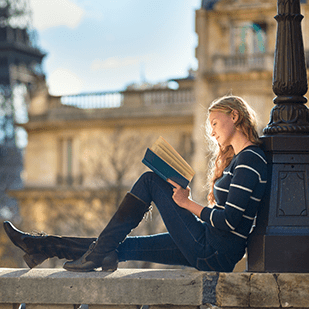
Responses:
[184,244]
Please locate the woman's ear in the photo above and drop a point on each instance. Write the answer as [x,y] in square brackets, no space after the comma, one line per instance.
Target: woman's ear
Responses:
[235,115]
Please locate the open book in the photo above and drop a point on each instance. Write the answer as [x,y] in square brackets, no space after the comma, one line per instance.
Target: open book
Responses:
[165,161]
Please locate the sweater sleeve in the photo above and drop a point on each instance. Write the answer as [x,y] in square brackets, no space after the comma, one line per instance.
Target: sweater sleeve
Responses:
[246,175]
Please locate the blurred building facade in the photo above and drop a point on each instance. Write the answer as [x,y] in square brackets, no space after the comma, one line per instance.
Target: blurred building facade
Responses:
[235,52]
[84,151]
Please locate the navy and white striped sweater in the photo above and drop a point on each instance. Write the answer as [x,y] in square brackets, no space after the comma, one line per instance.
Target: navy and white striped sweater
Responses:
[238,194]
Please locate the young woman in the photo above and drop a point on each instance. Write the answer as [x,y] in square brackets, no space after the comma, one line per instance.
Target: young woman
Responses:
[211,238]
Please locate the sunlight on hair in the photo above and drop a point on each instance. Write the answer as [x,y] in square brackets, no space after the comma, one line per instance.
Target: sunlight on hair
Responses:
[247,123]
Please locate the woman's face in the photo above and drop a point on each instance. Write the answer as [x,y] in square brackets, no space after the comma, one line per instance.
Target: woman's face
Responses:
[222,127]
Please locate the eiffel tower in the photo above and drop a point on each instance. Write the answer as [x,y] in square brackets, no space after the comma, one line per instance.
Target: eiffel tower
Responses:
[20,67]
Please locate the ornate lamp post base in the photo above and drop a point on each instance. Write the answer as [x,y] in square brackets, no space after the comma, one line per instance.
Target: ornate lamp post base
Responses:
[280,242]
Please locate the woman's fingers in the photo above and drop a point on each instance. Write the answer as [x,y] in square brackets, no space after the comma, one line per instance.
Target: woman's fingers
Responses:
[173,183]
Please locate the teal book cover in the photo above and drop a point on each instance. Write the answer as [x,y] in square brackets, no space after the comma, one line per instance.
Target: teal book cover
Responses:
[163,169]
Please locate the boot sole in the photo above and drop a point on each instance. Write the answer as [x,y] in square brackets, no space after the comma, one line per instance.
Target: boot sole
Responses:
[108,263]
[108,268]
[80,270]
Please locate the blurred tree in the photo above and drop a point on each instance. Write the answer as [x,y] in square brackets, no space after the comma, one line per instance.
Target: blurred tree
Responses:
[114,162]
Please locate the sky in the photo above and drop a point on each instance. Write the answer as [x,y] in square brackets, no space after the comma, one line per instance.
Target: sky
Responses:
[105,45]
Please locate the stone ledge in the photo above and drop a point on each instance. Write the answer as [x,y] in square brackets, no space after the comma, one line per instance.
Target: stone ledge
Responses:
[154,287]
[122,287]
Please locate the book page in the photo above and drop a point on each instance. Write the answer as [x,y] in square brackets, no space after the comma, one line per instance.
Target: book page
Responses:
[166,147]
[176,156]
[173,160]
[166,152]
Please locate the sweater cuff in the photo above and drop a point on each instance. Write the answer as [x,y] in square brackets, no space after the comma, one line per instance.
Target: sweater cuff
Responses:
[205,214]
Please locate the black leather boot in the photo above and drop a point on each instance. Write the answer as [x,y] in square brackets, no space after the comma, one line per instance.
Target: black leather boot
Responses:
[38,248]
[102,253]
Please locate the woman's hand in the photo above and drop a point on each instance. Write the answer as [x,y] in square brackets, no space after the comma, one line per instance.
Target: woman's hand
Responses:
[182,197]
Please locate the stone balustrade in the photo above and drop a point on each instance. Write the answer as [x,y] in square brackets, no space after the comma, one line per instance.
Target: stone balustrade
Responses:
[131,288]
[243,62]
[107,99]
[116,99]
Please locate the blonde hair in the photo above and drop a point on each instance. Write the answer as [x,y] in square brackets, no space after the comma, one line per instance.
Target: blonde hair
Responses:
[246,122]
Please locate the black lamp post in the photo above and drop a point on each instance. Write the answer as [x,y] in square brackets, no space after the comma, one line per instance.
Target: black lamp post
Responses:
[280,243]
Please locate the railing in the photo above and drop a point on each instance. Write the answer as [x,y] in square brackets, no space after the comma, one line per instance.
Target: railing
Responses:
[182,96]
[151,288]
[93,100]
[242,63]
[116,99]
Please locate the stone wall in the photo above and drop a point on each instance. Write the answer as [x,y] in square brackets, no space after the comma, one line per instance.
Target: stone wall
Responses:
[124,288]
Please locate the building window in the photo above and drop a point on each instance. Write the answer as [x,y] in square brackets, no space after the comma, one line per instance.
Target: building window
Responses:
[248,38]
[68,171]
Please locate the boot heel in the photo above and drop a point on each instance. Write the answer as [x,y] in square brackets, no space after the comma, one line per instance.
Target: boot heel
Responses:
[109,268]
[110,262]
[34,259]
